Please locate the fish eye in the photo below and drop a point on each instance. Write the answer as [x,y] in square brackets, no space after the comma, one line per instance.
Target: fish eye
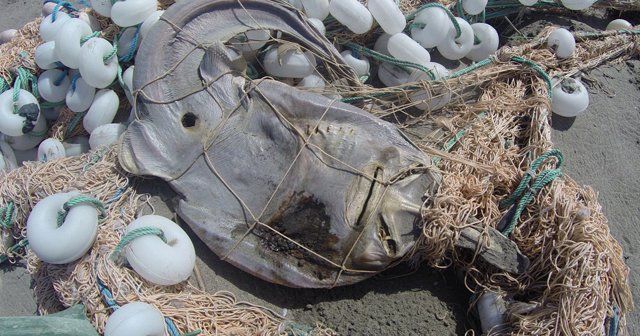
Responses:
[189,120]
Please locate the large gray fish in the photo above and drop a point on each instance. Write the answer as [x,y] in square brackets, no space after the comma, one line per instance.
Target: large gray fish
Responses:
[290,186]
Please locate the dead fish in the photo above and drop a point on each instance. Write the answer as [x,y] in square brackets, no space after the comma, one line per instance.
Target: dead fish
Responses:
[291,186]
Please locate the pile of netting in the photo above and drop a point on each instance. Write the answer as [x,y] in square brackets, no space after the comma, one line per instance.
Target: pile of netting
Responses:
[492,145]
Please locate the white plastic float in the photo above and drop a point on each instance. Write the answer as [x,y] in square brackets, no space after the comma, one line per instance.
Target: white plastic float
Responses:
[31,140]
[381,45]
[14,124]
[424,99]
[528,2]
[102,7]
[474,7]
[105,135]
[388,15]
[76,145]
[53,85]
[569,98]
[404,48]
[319,25]
[127,13]
[352,14]
[359,64]
[156,261]
[251,40]
[135,318]
[317,9]
[79,95]
[7,157]
[45,56]
[67,42]
[453,48]
[619,24]
[95,71]
[562,42]
[149,22]
[47,8]
[50,149]
[90,20]
[67,243]
[49,27]
[102,111]
[7,35]
[289,64]
[312,81]
[431,26]
[391,75]
[577,4]
[489,41]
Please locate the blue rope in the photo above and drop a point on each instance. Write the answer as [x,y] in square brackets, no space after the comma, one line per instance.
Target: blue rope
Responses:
[132,47]
[60,78]
[74,80]
[613,323]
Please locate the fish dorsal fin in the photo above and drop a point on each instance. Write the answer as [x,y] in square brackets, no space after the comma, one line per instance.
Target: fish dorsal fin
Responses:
[222,71]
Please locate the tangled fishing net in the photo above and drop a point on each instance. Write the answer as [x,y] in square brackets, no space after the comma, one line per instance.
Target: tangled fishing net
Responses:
[493,134]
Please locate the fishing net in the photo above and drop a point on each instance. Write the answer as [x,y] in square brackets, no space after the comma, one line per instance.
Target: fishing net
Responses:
[493,134]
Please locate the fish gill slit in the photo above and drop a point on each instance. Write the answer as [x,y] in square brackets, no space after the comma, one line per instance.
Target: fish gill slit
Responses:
[377,171]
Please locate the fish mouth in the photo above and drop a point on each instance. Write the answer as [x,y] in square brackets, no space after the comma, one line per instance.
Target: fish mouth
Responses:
[126,156]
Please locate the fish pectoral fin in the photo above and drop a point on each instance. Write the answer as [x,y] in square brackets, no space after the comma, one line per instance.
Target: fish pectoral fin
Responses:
[219,60]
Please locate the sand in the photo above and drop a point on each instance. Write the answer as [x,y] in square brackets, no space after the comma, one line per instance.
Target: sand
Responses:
[601,149]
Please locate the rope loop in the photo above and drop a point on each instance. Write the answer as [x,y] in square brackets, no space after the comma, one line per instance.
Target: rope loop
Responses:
[86,38]
[132,235]
[388,59]
[78,200]
[4,86]
[111,54]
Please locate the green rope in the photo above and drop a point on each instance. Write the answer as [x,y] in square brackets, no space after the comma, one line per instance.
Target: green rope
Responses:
[112,53]
[10,251]
[133,234]
[78,200]
[451,142]
[388,59]
[4,86]
[526,190]
[439,5]
[88,37]
[7,216]
[538,69]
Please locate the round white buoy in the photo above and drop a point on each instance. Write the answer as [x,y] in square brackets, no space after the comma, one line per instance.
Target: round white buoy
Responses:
[149,22]
[127,13]
[53,85]
[105,135]
[90,20]
[50,149]
[47,8]
[528,2]
[94,69]
[31,140]
[312,81]
[67,243]
[318,25]
[404,48]
[289,64]
[7,35]
[388,15]
[352,14]
[135,318]
[76,145]
[102,7]
[156,261]
[391,75]
[382,43]
[80,95]
[102,111]
[431,26]
[49,27]
[569,98]
[67,42]
[359,64]
[488,45]
[453,48]
[317,9]
[619,24]
[423,98]
[45,56]
[562,42]
[251,40]
[28,113]
[577,4]
[474,7]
